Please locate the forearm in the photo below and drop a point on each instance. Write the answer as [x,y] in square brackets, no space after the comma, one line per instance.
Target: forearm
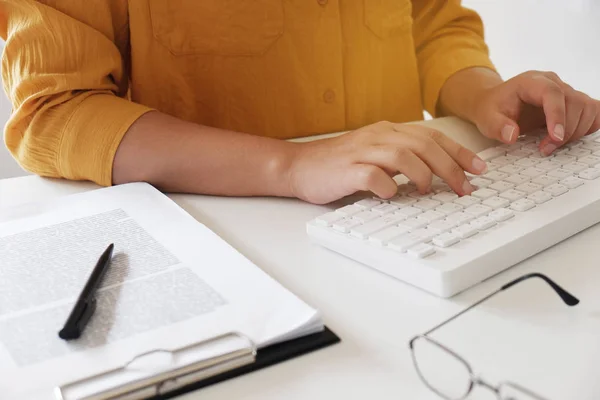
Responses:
[178,156]
[459,95]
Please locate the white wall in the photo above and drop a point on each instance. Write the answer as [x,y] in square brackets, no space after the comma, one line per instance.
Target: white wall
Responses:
[558,35]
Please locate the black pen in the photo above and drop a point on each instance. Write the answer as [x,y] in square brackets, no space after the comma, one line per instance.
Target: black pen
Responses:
[86,303]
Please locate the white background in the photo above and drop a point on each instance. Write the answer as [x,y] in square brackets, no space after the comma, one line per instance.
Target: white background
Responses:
[558,35]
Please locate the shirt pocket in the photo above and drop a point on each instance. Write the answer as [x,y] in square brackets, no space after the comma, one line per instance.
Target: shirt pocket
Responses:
[388,18]
[217,27]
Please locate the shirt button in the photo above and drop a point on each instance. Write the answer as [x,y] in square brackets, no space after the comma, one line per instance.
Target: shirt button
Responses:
[329,96]
[322,2]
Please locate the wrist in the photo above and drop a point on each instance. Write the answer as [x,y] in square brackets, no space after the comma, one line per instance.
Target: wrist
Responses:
[279,169]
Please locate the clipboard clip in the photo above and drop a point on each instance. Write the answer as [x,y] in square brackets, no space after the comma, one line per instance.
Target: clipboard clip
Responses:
[189,364]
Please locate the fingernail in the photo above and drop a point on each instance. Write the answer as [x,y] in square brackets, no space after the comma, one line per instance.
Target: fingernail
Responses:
[548,148]
[479,165]
[467,187]
[559,131]
[507,133]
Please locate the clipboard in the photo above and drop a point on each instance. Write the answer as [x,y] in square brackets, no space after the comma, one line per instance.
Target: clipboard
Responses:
[195,373]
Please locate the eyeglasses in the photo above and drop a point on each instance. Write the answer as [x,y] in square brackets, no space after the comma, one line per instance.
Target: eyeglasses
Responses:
[451,377]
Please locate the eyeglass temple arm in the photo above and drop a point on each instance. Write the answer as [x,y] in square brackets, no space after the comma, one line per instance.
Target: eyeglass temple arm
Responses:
[566,297]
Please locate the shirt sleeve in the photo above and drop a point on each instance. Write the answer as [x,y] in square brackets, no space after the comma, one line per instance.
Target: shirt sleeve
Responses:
[448,38]
[67,82]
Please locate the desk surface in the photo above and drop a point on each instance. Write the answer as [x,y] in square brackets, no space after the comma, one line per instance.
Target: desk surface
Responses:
[525,335]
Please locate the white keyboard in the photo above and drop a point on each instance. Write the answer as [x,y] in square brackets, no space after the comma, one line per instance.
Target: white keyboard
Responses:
[444,243]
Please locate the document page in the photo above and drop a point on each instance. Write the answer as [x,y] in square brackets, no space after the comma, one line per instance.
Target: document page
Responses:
[172,282]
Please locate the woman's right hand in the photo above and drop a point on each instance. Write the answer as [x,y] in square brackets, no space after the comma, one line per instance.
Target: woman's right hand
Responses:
[366,160]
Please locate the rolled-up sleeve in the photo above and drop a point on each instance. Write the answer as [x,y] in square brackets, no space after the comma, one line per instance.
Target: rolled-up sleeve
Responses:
[448,38]
[67,83]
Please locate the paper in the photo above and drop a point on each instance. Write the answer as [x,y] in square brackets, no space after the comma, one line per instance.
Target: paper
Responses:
[172,282]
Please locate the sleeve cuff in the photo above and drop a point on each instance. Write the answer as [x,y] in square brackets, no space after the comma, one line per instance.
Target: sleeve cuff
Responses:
[92,135]
[448,64]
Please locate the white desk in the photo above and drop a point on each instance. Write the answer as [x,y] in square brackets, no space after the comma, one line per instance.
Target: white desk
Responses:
[525,334]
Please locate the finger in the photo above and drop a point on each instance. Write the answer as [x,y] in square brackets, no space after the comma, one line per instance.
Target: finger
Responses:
[368,177]
[575,105]
[545,93]
[586,120]
[500,127]
[440,163]
[463,156]
[391,157]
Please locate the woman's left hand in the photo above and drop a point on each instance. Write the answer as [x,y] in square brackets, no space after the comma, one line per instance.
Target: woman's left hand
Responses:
[534,100]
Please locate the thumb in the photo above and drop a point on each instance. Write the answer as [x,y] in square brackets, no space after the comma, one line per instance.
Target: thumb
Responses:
[500,127]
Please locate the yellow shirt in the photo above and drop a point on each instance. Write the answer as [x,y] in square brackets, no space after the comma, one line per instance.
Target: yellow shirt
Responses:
[79,73]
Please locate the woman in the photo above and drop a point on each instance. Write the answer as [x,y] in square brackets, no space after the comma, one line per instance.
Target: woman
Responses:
[196,95]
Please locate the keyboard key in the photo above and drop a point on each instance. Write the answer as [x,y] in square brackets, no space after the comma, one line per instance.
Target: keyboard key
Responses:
[449,208]
[560,173]
[362,231]
[409,211]
[522,205]
[402,201]
[589,160]
[403,242]
[526,162]
[529,187]
[465,231]
[564,159]
[419,196]
[491,166]
[484,193]
[505,160]
[329,218]
[459,218]
[441,226]
[525,139]
[501,186]
[478,210]
[349,210]
[539,197]
[483,223]
[415,222]
[572,182]
[368,203]
[481,182]
[531,146]
[446,239]
[384,236]
[496,175]
[578,152]
[517,179]
[519,153]
[512,195]
[439,187]
[365,216]
[344,225]
[432,215]
[406,188]
[544,180]
[590,173]
[491,153]
[384,208]
[426,204]
[532,172]
[556,190]
[549,165]
[445,197]
[420,250]
[496,202]
[501,214]
[575,166]
[537,156]
[573,145]
[591,146]
[467,201]
[511,169]
[424,234]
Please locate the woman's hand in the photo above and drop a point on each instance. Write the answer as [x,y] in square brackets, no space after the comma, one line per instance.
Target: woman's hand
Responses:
[534,100]
[366,159]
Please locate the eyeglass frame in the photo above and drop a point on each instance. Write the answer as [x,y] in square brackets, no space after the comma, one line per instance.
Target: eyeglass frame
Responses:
[474,380]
